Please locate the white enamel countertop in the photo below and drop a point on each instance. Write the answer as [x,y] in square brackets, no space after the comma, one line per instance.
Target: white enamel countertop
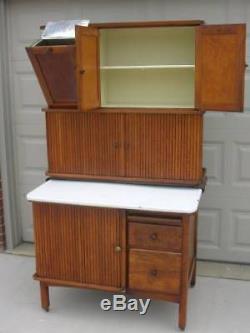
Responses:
[114,195]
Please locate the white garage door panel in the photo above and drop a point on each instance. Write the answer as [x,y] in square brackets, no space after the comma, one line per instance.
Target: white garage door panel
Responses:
[224,220]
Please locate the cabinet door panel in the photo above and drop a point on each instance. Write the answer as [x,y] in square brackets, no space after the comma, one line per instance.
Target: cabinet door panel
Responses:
[57,243]
[102,233]
[220,67]
[87,50]
[55,70]
[79,244]
[85,144]
[167,148]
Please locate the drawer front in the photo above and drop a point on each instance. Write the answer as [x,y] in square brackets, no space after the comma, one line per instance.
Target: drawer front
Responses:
[154,271]
[155,237]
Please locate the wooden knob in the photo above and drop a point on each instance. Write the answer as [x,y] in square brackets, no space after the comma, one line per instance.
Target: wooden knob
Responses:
[116,145]
[153,272]
[118,248]
[153,236]
[82,71]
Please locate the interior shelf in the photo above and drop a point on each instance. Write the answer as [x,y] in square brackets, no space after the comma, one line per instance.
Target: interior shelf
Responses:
[149,67]
[163,106]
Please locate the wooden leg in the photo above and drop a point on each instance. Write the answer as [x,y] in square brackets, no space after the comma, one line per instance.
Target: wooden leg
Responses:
[193,278]
[184,274]
[183,309]
[44,291]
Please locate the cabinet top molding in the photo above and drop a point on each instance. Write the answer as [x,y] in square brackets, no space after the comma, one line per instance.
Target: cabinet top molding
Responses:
[150,24]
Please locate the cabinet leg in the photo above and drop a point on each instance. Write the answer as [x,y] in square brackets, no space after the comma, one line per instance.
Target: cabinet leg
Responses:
[183,313]
[44,291]
[193,278]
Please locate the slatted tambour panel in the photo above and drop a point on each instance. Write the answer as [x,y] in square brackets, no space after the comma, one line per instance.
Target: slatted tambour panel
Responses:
[77,244]
[85,144]
[134,147]
[101,233]
[57,242]
[164,146]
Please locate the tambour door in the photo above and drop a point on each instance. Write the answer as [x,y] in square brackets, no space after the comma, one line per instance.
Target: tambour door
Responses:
[164,148]
[80,244]
[220,67]
[85,144]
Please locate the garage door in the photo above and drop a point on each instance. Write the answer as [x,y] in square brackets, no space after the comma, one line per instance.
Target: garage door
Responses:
[224,220]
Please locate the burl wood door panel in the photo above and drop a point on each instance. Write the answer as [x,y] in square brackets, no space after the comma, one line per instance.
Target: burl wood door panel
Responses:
[84,144]
[220,67]
[164,147]
[55,70]
[79,244]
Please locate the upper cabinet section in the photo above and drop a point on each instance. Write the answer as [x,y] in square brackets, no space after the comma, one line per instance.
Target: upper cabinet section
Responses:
[147,67]
[178,66]
[54,64]
[220,67]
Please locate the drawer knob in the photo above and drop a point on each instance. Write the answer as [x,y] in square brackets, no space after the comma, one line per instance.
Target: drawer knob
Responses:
[82,71]
[153,236]
[116,145]
[153,272]
[118,248]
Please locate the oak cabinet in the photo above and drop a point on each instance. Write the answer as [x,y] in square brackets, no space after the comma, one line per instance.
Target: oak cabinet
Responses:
[148,148]
[126,104]
[149,65]
[163,67]
[146,253]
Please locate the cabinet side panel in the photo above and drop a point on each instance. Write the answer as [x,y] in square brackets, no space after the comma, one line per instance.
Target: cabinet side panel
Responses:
[163,146]
[101,232]
[57,241]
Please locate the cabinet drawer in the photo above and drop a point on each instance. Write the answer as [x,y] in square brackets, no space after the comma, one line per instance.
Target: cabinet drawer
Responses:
[154,271]
[154,236]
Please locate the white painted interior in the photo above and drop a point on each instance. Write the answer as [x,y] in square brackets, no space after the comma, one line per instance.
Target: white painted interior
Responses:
[147,67]
[224,220]
[126,196]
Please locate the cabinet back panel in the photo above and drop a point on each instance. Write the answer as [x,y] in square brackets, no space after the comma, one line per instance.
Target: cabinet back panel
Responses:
[147,46]
[166,88]
[154,84]
[133,147]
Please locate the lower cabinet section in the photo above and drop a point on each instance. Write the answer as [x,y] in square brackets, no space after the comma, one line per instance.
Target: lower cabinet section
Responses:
[150,254]
[154,271]
[80,244]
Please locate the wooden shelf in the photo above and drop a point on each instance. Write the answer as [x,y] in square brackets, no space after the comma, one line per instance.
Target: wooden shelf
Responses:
[149,67]
[147,106]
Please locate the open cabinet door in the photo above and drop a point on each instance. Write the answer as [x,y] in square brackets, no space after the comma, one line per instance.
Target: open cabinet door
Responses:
[220,67]
[87,58]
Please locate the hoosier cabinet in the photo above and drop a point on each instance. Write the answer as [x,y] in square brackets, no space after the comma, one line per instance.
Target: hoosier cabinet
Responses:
[124,122]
